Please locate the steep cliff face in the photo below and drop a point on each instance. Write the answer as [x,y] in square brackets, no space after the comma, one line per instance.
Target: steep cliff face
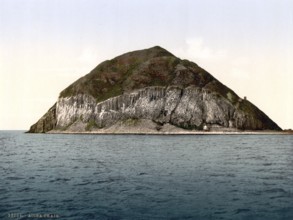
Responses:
[151,85]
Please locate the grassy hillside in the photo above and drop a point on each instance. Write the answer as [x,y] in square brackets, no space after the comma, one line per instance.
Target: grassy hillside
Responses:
[150,67]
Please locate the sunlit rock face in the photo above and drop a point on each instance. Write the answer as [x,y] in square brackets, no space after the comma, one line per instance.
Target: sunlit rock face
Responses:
[152,85]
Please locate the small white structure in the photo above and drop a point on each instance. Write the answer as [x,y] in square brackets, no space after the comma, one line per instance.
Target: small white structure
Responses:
[205,128]
[231,124]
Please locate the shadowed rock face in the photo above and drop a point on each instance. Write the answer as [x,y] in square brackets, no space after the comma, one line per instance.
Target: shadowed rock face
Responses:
[151,84]
[46,123]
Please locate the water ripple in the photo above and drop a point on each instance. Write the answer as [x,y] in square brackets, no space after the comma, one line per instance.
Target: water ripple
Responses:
[147,177]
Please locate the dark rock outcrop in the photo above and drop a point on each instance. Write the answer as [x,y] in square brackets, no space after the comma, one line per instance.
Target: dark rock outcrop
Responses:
[46,123]
[155,85]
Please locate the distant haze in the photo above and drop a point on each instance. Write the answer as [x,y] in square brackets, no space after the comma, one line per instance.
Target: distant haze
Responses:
[46,45]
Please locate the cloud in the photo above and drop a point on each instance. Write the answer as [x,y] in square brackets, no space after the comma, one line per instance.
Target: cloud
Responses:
[195,49]
[88,56]
[217,60]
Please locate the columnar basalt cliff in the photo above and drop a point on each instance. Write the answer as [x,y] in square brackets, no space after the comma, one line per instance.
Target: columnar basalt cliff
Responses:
[154,87]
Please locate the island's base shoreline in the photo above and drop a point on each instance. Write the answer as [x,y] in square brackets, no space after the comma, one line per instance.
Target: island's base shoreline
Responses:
[148,127]
[176,133]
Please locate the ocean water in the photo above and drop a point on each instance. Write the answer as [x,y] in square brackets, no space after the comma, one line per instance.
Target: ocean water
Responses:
[145,176]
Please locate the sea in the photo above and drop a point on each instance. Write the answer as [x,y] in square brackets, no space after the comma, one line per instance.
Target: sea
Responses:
[64,176]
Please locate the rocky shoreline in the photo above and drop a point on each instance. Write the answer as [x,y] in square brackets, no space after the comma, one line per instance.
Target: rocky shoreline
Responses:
[148,127]
[176,133]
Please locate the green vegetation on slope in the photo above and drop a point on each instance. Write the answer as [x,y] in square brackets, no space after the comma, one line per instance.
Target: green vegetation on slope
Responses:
[139,69]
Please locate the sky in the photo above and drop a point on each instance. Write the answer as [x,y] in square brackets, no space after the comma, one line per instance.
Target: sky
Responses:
[45,45]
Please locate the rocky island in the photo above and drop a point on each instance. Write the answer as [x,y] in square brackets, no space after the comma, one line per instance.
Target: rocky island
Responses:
[150,91]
